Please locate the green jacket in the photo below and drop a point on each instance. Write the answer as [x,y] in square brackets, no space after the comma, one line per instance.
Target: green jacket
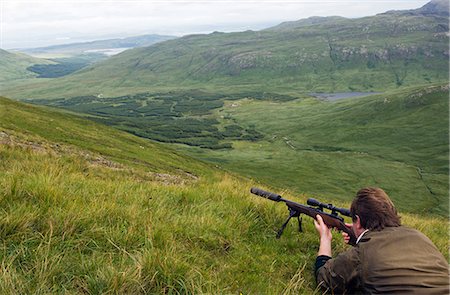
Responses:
[395,260]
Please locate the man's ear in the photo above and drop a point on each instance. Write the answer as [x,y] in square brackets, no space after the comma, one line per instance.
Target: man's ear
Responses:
[357,223]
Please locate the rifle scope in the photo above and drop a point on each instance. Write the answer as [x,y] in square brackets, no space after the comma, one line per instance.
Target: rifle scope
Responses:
[316,203]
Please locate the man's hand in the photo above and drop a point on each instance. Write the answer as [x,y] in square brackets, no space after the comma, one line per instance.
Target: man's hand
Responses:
[323,230]
[325,236]
[345,235]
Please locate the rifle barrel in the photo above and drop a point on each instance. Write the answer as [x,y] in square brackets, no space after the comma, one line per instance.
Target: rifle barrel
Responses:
[266,194]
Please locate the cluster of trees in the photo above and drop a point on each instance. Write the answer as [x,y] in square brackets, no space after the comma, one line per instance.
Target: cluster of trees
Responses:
[183,117]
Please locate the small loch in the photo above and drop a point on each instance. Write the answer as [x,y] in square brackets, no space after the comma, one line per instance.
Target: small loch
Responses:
[340,95]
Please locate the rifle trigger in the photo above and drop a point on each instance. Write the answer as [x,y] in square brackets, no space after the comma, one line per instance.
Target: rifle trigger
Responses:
[299,218]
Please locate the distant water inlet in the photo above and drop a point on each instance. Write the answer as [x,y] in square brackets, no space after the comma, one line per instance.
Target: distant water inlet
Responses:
[108,51]
[340,95]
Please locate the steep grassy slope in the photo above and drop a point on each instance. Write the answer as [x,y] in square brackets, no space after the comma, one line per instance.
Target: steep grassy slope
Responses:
[64,128]
[398,141]
[14,66]
[87,209]
[372,53]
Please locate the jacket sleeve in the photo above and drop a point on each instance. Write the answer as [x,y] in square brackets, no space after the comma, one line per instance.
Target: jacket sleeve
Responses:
[340,274]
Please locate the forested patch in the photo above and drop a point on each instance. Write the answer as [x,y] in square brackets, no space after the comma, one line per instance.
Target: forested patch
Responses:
[176,117]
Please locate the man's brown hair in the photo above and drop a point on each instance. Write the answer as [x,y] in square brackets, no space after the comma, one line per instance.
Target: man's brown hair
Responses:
[375,209]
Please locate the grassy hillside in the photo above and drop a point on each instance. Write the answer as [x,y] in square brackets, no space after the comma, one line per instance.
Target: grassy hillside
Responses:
[337,54]
[88,209]
[65,65]
[397,140]
[13,66]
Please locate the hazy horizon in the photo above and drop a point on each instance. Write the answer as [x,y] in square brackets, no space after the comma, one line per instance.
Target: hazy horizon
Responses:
[40,23]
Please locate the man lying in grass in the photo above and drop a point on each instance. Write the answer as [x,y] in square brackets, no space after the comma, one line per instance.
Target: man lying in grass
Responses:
[387,258]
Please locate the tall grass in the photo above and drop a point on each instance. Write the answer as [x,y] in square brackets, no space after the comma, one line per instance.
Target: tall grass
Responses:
[67,226]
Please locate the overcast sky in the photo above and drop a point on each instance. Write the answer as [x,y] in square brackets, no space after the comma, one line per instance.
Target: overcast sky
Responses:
[35,23]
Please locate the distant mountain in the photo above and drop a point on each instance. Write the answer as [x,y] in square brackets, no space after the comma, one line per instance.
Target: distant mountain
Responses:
[100,46]
[439,7]
[15,66]
[333,54]
[434,7]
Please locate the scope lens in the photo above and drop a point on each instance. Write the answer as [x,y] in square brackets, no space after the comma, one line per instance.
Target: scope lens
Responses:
[313,202]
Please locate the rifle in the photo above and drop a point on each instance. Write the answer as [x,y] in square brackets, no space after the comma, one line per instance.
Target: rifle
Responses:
[316,208]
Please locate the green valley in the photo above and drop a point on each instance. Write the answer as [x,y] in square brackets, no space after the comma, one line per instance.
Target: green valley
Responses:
[398,141]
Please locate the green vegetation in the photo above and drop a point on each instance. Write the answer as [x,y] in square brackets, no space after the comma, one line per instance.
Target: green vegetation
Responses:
[398,141]
[14,66]
[177,117]
[65,66]
[394,140]
[88,209]
[118,146]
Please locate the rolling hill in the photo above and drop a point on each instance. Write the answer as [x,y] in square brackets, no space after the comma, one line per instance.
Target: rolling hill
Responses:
[14,66]
[374,53]
[60,60]
[89,209]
